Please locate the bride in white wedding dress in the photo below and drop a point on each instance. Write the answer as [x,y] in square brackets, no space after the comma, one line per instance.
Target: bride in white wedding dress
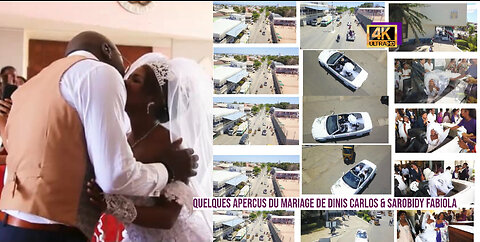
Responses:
[171,98]
[429,234]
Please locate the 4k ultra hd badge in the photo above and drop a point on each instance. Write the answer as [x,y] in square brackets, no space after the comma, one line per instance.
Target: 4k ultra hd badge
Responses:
[381,36]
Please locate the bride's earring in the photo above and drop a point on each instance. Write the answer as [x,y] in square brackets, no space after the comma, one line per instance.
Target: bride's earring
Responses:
[148,106]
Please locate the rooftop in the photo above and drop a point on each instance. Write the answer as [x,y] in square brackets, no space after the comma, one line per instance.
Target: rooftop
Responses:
[286,232]
[223,176]
[290,188]
[221,112]
[288,83]
[224,72]
[222,26]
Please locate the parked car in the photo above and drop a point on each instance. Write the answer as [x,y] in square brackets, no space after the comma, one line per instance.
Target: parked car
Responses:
[343,68]
[338,126]
[355,179]
[244,139]
[264,132]
[361,236]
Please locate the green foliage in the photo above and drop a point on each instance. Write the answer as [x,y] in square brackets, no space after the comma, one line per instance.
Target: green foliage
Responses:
[470,44]
[406,13]
[287,11]
[255,16]
[253,216]
[255,109]
[256,170]
[257,64]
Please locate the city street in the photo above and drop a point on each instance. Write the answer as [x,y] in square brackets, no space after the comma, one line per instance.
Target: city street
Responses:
[348,230]
[317,37]
[257,228]
[256,29]
[257,122]
[255,138]
[318,82]
[317,106]
[323,165]
[261,76]
[260,183]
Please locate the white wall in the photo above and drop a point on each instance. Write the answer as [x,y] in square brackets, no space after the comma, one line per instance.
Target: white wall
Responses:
[11,49]
[198,50]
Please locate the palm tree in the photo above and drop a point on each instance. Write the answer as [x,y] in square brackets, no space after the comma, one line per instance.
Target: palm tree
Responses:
[405,13]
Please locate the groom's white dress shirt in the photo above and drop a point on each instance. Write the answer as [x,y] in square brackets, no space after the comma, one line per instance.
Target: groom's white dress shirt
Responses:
[97,92]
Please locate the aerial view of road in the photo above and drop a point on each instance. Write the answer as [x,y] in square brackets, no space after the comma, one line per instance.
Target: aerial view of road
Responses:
[258,123]
[317,106]
[318,82]
[260,184]
[348,230]
[317,37]
[261,76]
[258,228]
[323,165]
[260,30]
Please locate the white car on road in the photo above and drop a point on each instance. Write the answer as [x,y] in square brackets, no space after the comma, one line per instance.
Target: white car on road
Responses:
[355,179]
[338,126]
[361,236]
[344,69]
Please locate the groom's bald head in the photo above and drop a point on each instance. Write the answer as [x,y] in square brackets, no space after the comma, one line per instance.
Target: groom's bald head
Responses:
[100,46]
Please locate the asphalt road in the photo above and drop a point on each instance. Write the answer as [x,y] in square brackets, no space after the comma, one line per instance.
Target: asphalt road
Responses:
[317,106]
[259,184]
[317,37]
[256,29]
[261,76]
[323,165]
[348,230]
[255,138]
[260,227]
[318,82]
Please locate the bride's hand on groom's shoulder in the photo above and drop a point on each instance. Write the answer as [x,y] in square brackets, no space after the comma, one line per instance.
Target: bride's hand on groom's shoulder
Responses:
[181,163]
[95,194]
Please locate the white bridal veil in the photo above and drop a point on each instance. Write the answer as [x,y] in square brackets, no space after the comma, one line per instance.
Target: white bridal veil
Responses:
[189,107]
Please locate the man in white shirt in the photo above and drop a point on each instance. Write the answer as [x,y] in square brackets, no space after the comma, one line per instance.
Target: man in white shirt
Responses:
[428,65]
[94,87]
[431,117]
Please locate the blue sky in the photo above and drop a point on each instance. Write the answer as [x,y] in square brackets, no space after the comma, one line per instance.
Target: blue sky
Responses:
[258,3]
[354,4]
[258,158]
[257,50]
[256,100]
[472,12]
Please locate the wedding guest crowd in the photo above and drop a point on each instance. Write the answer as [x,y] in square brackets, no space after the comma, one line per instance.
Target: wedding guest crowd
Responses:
[425,130]
[425,226]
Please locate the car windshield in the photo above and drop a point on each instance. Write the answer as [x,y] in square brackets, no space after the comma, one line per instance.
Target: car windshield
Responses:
[332,125]
[362,235]
[347,150]
[334,58]
[351,180]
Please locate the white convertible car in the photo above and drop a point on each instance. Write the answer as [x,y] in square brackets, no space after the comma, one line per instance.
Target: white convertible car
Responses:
[361,236]
[350,73]
[338,126]
[355,179]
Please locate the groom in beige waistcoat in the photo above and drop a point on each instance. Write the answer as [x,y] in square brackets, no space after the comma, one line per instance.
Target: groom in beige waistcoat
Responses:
[66,126]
